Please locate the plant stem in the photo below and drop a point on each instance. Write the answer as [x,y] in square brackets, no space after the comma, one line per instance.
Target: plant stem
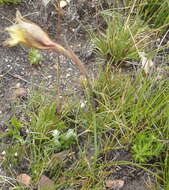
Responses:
[69,53]
[95,138]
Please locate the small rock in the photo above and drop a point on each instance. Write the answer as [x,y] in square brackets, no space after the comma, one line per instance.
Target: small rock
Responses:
[51,86]
[56,67]
[18,85]
[45,183]
[70,69]
[34,72]
[64,3]
[20,92]
[16,154]
[2,158]
[3,153]
[115,184]
[24,179]
[68,75]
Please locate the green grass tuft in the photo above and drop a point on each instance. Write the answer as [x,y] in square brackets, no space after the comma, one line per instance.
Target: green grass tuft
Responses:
[122,38]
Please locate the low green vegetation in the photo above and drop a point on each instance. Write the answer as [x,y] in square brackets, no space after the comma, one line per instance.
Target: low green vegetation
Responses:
[146,146]
[35,57]
[10,1]
[122,38]
[129,113]
[154,12]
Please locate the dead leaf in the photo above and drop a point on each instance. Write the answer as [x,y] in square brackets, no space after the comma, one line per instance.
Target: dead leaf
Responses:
[45,183]
[24,179]
[56,158]
[116,184]
[147,64]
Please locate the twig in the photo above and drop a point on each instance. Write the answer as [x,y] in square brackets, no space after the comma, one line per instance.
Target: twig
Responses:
[58,32]
[131,10]
[1,76]
[4,17]
[58,27]
[20,78]
[70,54]
[163,39]
[58,102]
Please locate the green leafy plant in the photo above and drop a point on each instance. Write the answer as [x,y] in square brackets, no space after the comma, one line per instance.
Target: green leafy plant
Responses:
[35,56]
[145,147]
[63,140]
[14,130]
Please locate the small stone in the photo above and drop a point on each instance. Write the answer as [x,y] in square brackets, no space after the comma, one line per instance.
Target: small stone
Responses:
[45,183]
[16,154]
[34,72]
[55,67]
[83,105]
[18,85]
[51,86]
[3,153]
[24,179]
[70,69]
[2,157]
[68,75]
[115,184]
[64,3]
[20,92]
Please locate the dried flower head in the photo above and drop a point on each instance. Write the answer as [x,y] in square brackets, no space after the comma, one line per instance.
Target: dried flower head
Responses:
[27,33]
[31,35]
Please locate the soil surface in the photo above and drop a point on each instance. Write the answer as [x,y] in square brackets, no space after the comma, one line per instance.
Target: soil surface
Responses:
[16,71]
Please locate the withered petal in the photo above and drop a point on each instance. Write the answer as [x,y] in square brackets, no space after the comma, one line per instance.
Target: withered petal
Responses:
[28,34]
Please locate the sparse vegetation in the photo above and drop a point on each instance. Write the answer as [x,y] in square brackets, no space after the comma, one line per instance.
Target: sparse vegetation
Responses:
[34,56]
[154,12]
[136,112]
